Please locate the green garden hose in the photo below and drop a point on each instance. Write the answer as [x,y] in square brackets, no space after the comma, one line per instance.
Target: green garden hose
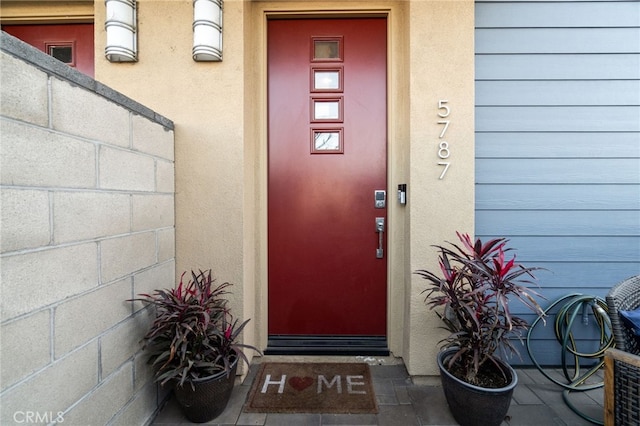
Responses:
[576,304]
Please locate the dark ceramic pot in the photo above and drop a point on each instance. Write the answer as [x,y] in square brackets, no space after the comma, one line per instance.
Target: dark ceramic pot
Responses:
[209,398]
[473,405]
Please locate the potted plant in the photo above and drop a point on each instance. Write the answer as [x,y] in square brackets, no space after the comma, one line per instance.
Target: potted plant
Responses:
[475,286]
[192,344]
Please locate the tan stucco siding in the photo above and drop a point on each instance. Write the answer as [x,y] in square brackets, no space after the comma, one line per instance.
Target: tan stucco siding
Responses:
[441,61]
[206,101]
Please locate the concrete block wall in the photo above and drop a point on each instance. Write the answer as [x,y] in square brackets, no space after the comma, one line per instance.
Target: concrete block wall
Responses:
[87,222]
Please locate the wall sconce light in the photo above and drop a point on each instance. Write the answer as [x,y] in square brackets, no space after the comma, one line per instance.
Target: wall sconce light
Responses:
[207,30]
[120,23]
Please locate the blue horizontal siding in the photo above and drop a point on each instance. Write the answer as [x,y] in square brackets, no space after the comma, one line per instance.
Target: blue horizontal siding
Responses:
[557,14]
[557,40]
[559,93]
[579,196]
[533,250]
[558,119]
[557,67]
[563,277]
[559,223]
[558,144]
[581,331]
[558,171]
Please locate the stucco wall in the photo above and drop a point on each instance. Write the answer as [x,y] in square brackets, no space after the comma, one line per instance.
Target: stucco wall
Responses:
[441,62]
[87,186]
[206,102]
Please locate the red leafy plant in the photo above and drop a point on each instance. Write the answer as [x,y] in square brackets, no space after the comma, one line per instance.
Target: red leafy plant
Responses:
[474,285]
[193,335]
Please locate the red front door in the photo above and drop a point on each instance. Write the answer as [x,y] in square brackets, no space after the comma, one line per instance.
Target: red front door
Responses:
[69,43]
[327,158]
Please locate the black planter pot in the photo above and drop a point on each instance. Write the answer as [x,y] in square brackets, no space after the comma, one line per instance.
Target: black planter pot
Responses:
[209,398]
[473,405]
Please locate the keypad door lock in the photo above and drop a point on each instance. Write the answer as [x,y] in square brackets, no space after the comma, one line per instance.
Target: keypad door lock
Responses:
[380,198]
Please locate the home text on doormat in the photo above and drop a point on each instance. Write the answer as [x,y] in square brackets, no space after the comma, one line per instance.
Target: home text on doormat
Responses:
[312,388]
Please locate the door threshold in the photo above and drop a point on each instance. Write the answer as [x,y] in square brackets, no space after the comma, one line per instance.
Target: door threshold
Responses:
[326,345]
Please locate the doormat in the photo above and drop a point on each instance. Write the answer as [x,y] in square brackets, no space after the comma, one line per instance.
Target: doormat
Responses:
[332,388]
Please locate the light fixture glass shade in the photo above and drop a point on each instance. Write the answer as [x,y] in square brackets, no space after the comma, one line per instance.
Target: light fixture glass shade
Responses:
[120,24]
[207,30]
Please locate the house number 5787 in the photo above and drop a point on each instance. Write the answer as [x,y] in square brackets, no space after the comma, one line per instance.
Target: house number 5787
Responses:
[443,146]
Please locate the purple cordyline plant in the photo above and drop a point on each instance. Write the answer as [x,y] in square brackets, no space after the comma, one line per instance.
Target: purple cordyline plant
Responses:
[193,335]
[474,286]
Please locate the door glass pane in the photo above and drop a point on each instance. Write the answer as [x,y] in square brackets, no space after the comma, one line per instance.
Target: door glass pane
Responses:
[61,53]
[326,49]
[326,80]
[326,141]
[326,110]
